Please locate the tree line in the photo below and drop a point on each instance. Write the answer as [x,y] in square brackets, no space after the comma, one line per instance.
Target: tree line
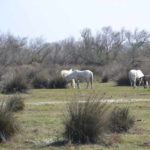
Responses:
[106,47]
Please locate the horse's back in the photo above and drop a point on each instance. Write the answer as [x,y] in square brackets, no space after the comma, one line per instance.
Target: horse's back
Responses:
[139,74]
[132,74]
[133,71]
[89,71]
[86,73]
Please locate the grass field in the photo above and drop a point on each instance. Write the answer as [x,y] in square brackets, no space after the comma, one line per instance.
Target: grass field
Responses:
[41,123]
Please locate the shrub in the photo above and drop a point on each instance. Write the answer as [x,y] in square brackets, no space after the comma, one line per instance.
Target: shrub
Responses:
[121,120]
[85,121]
[8,124]
[58,82]
[30,71]
[40,82]
[15,103]
[123,80]
[14,82]
[105,79]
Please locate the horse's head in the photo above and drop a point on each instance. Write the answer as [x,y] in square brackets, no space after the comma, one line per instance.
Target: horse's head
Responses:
[141,81]
[146,81]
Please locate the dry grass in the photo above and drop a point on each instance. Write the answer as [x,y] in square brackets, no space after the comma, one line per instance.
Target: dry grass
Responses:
[15,103]
[8,123]
[86,122]
[121,120]
[41,123]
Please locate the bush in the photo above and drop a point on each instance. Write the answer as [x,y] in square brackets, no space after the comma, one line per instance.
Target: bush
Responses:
[85,121]
[58,82]
[8,124]
[15,103]
[105,79]
[121,120]
[13,83]
[123,80]
[40,82]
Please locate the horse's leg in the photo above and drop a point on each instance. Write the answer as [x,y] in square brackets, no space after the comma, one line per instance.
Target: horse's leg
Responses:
[140,81]
[73,83]
[130,82]
[87,84]
[91,80]
[78,84]
[134,83]
[147,85]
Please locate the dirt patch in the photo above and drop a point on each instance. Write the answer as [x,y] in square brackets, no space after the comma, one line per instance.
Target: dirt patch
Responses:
[105,100]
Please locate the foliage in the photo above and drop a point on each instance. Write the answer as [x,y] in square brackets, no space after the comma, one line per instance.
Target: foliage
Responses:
[123,80]
[14,82]
[58,83]
[15,103]
[121,120]
[40,82]
[8,123]
[86,120]
[105,79]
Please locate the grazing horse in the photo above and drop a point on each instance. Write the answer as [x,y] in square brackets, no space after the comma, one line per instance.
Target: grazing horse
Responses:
[77,75]
[64,73]
[146,81]
[135,75]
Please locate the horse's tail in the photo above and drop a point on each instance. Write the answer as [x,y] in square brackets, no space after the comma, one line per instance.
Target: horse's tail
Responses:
[91,79]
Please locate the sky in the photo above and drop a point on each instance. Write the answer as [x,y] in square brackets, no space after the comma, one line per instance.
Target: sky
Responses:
[55,20]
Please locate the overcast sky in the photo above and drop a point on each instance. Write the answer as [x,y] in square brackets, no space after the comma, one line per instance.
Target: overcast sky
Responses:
[59,19]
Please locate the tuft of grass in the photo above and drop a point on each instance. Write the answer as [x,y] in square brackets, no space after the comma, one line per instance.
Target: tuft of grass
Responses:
[121,120]
[8,124]
[15,103]
[85,121]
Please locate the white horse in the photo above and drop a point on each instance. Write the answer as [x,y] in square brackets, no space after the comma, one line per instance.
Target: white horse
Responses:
[135,75]
[77,75]
[64,73]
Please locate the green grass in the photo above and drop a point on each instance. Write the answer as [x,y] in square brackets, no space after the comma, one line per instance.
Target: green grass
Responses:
[45,121]
[109,89]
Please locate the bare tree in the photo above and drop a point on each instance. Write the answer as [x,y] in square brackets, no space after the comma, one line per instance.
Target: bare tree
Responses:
[135,44]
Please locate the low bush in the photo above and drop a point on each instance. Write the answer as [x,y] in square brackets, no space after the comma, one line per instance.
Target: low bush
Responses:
[58,83]
[40,82]
[120,120]
[15,103]
[14,82]
[123,80]
[8,124]
[105,79]
[85,121]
